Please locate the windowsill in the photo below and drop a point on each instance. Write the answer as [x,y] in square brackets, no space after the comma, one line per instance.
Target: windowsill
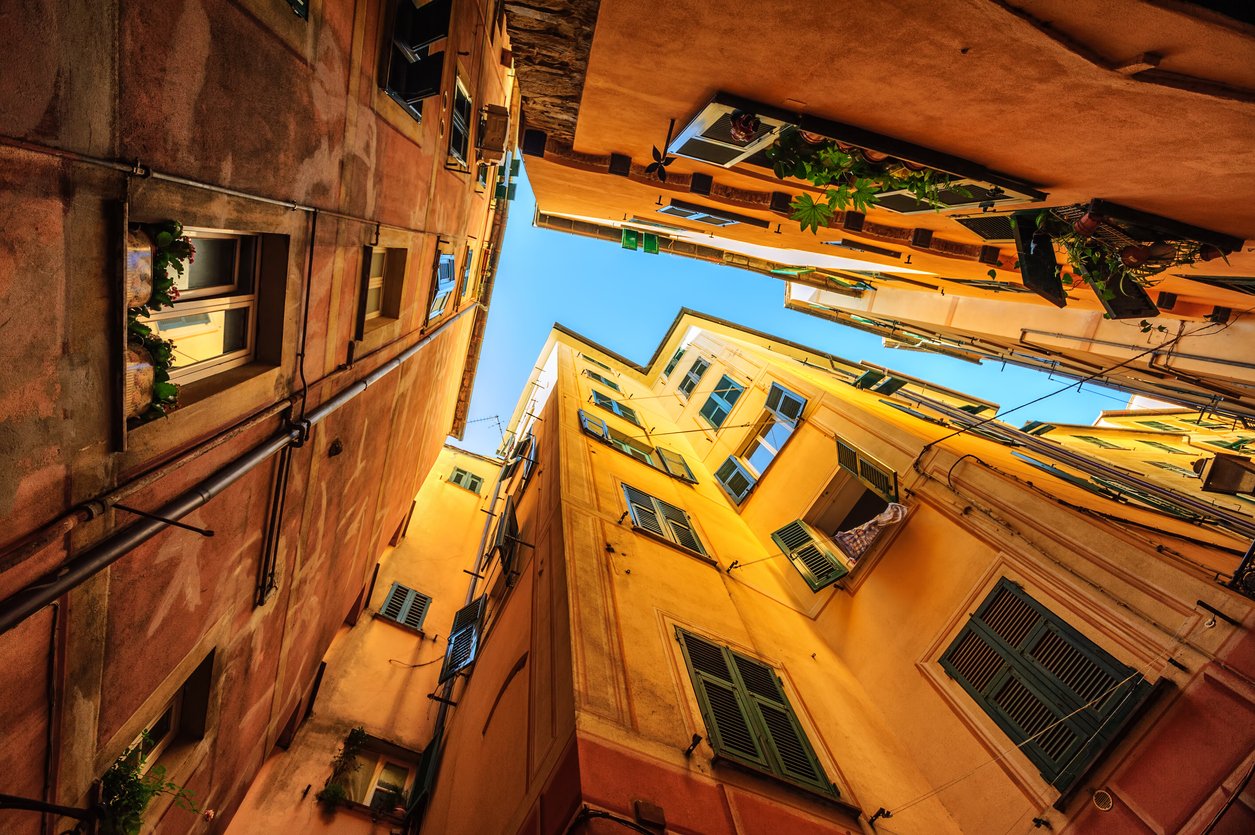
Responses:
[810,792]
[378,332]
[361,809]
[204,406]
[675,546]
[382,617]
[457,165]
[180,760]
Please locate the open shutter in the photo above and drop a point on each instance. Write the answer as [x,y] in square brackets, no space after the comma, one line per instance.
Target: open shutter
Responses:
[875,475]
[594,426]
[674,464]
[785,403]
[735,478]
[819,565]
[644,513]
[724,710]
[787,745]
[680,525]
[419,27]
[463,644]
[505,537]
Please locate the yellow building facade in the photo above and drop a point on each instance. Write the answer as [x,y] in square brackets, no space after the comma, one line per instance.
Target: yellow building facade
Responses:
[752,587]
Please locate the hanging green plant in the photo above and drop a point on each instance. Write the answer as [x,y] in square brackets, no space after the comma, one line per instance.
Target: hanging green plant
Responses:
[126,790]
[335,791]
[851,177]
[172,251]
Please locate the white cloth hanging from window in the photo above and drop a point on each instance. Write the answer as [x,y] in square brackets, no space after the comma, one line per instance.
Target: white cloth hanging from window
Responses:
[856,541]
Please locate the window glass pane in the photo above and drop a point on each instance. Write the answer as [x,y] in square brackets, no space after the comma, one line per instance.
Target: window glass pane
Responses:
[374,300]
[213,264]
[393,778]
[759,456]
[376,263]
[203,336]
[359,780]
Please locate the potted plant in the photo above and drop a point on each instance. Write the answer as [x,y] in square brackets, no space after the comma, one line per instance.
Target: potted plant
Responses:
[156,256]
[335,791]
[851,177]
[126,789]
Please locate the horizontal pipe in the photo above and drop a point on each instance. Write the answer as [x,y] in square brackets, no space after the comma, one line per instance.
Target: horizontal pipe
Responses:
[1155,353]
[76,571]
[1233,521]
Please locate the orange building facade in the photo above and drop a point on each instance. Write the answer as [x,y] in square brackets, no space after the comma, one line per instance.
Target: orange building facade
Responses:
[984,100]
[755,588]
[169,586]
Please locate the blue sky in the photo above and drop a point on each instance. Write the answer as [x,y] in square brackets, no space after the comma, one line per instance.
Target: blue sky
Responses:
[626,299]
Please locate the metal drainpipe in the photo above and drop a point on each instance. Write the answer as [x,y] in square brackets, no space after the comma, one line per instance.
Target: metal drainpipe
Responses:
[1233,521]
[76,571]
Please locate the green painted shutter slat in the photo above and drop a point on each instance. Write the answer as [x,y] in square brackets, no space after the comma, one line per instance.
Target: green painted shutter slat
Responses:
[817,564]
[463,644]
[785,403]
[875,475]
[644,513]
[416,610]
[1036,677]
[735,478]
[675,359]
[680,526]
[724,711]
[674,464]
[395,602]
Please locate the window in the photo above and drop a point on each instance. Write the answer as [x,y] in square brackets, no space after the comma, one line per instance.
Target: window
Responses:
[383,272]
[382,774]
[1235,445]
[612,405]
[595,362]
[709,214]
[213,322]
[180,724]
[670,462]
[739,473]
[693,377]
[1101,443]
[748,718]
[717,407]
[1160,425]
[608,383]
[414,74]
[1057,695]
[405,606]
[662,520]
[463,644]
[483,172]
[1165,447]
[466,272]
[674,360]
[1206,424]
[300,8]
[466,480]
[443,283]
[1173,468]
[460,124]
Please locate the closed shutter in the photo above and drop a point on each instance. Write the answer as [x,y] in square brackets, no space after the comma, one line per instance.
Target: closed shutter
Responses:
[734,478]
[875,475]
[644,514]
[723,707]
[748,717]
[819,565]
[680,526]
[463,645]
[785,403]
[405,606]
[1052,691]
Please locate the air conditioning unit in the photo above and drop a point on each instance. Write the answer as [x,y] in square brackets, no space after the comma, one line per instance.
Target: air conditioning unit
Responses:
[709,135]
[494,127]
[1227,473]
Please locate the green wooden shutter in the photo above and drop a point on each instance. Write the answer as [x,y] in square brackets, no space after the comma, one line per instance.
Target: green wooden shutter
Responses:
[723,706]
[694,375]
[395,603]
[787,745]
[679,526]
[735,478]
[674,360]
[719,405]
[463,644]
[594,426]
[1036,676]
[505,537]
[882,480]
[416,612]
[785,403]
[644,513]
[819,566]
[674,464]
